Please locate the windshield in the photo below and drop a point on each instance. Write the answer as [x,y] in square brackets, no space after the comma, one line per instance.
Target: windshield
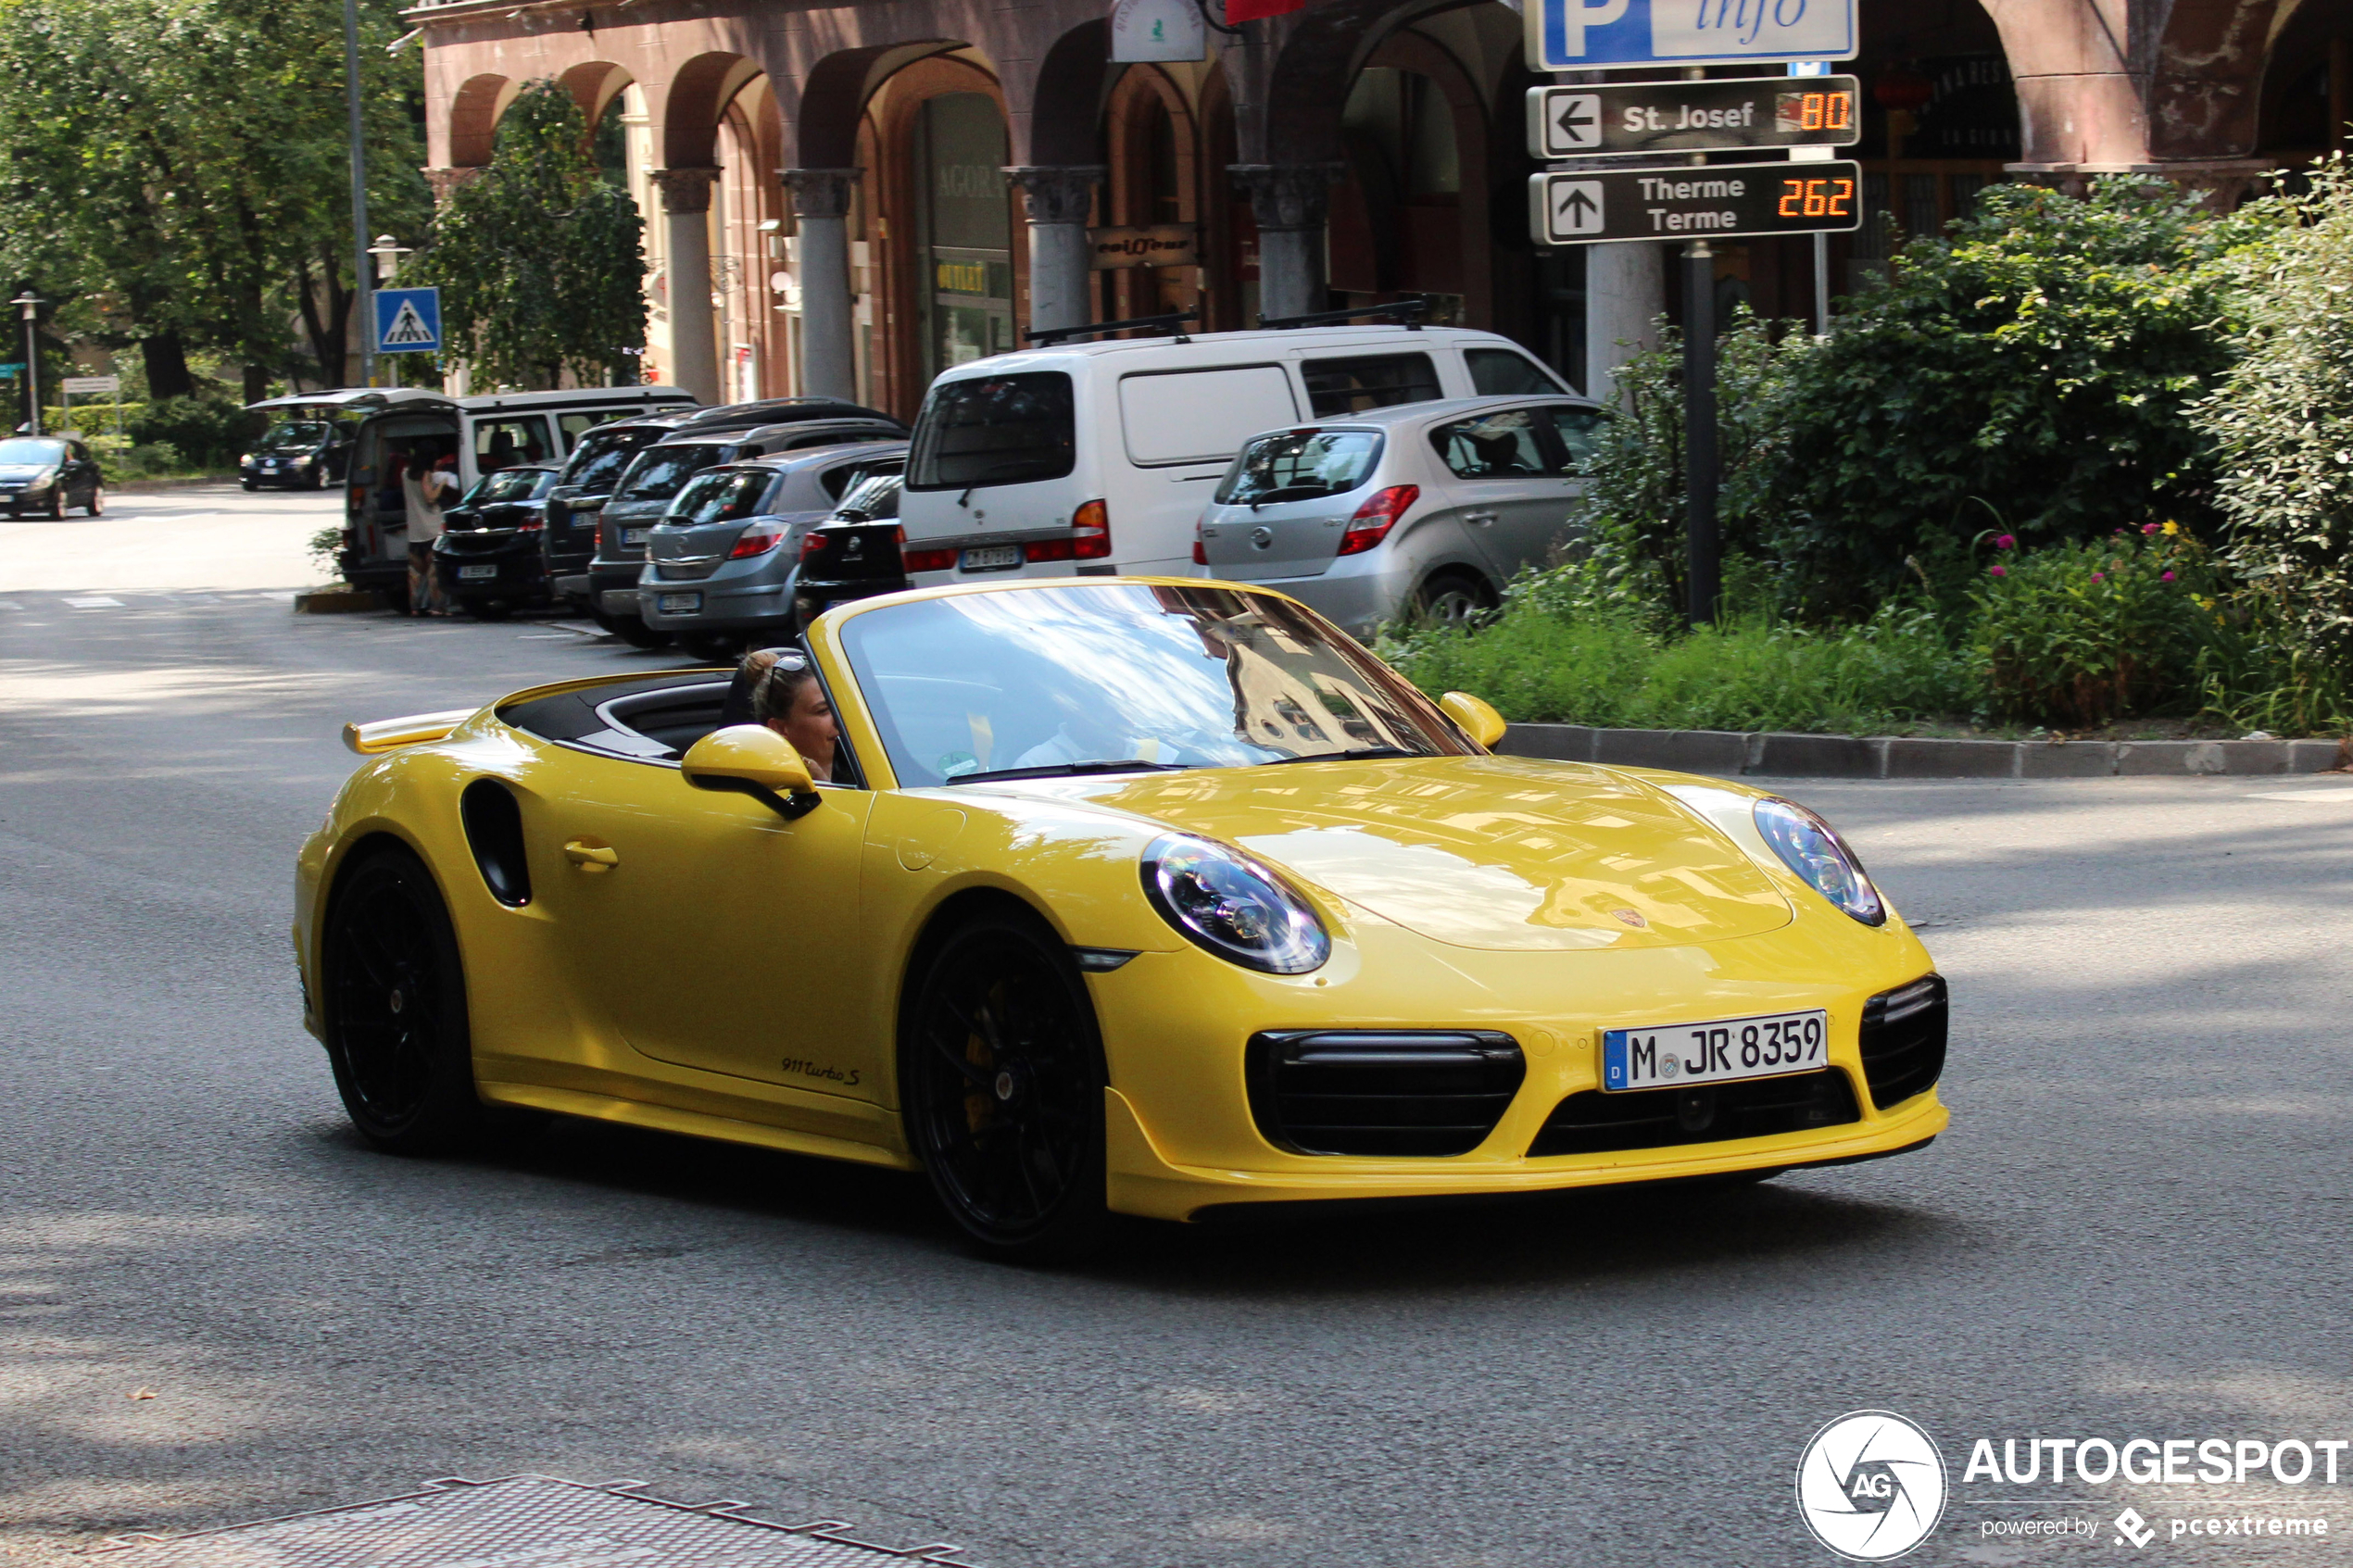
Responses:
[1123,677]
[1299,465]
[304,433]
[509,484]
[33,450]
[994,430]
[720,498]
[603,456]
[660,473]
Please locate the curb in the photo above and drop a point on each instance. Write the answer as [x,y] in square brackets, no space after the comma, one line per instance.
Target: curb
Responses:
[1729,753]
[339,599]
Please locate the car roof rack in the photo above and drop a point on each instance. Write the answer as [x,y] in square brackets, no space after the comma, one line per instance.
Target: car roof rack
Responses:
[1170,325]
[1408,311]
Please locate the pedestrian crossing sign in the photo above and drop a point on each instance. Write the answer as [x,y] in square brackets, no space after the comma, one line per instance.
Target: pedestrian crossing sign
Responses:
[408,320]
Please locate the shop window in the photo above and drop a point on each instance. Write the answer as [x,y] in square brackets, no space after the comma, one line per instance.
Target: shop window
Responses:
[967,231]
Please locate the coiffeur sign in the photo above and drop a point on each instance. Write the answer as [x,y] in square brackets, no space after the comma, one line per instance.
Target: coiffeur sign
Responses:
[1163,245]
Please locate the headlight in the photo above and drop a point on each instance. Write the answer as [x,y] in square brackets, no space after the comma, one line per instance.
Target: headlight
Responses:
[1230,905]
[243,458]
[1812,848]
[42,478]
[302,462]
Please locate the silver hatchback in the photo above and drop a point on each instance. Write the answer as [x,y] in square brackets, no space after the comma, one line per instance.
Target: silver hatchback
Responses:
[719,563]
[1424,509]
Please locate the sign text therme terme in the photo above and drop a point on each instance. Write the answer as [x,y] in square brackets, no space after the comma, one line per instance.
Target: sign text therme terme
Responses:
[1589,199]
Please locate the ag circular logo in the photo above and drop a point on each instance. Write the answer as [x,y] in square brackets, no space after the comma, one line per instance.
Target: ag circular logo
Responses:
[1870,1485]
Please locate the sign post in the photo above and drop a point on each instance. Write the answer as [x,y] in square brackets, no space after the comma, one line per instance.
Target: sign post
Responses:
[1592,202]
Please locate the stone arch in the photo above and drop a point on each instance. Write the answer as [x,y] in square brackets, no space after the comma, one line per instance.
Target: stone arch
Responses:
[1312,76]
[700,92]
[1143,98]
[2206,90]
[834,97]
[593,84]
[473,119]
[1450,255]
[1062,125]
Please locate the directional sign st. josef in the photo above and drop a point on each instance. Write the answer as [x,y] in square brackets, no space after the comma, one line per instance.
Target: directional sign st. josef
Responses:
[1713,202]
[1581,34]
[1676,117]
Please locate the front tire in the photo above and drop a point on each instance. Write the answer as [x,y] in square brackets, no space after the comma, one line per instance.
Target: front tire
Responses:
[1000,1086]
[393,989]
[97,507]
[56,511]
[1455,600]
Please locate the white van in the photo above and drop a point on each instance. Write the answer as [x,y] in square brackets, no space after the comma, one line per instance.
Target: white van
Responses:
[1098,457]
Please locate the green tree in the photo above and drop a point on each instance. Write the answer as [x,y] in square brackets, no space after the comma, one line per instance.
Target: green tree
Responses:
[539,258]
[183,164]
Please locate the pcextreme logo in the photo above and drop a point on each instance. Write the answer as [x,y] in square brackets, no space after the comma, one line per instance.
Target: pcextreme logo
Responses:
[1870,1485]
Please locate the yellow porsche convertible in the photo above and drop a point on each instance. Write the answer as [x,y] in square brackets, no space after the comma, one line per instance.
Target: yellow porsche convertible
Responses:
[1113,894]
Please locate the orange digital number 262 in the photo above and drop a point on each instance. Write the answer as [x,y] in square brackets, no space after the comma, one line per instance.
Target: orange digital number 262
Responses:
[1818,199]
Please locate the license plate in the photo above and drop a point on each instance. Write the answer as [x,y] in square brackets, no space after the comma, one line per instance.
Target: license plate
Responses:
[991,558]
[678,604]
[470,572]
[633,535]
[1765,1045]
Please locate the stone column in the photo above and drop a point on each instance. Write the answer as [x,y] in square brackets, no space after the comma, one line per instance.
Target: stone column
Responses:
[694,332]
[828,346]
[1625,295]
[1059,200]
[1291,201]
[445,182]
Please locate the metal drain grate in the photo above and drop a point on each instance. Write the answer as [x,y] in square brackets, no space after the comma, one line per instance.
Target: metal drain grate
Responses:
[522,1522]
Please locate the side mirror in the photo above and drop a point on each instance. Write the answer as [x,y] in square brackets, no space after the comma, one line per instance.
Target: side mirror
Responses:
[753,759]
[1478,721]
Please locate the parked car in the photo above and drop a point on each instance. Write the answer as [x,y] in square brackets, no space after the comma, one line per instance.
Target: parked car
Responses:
[853,554]
[1160,898]
[488,552]
[653,480]
[1424,509]
[396,426]
[719,565]
[298,454]
[602,456]
[1098,457]
[48,473]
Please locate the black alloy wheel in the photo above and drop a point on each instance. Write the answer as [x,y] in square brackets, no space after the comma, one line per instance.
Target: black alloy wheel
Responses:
[395,1009]
[1001,1084]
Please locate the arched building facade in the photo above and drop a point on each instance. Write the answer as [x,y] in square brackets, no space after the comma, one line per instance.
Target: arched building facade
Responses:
[849,198]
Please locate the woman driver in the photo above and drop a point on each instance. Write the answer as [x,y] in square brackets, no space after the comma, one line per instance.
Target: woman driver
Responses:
[791,702]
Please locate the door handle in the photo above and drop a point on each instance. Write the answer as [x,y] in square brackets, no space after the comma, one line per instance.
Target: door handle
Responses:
[592,856]
[1482,518]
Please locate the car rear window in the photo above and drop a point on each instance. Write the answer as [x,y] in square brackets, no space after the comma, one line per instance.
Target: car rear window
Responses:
[721,498]
[509,484]
[1299,465]
[994,430]
[1371,381]
[1201,416]
[1499,372]
[873,499]
[660,473]
[603,456]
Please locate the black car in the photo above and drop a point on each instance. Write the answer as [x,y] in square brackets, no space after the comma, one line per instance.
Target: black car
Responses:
[298,454]
[853,554]
[657,475]
[44,474]
[488,553]
[603,454]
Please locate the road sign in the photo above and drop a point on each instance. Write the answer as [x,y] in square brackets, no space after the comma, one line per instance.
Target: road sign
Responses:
[13,367]
[77,385]
[1673,116]
[1693,202]
[408,320]
[1580,34]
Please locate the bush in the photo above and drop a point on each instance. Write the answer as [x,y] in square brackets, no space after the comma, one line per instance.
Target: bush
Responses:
[2283,424]
[2083,633]
[209,432]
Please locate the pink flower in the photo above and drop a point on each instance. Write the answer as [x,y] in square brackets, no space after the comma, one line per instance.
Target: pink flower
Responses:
[2100,577]
[2167,578]
[2007,542]
[2149,528]
[2001,571]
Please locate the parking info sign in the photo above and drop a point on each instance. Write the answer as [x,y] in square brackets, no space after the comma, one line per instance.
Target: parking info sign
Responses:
[408,320]
[1717,201]
[1581,34]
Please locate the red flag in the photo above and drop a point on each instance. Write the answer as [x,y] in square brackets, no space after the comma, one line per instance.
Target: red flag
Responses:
[1239,11]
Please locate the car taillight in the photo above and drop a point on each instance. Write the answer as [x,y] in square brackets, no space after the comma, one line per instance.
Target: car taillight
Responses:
[1090,533]
[812,544]
[1376,516]
[1200,551]
[930,560]
[757,539]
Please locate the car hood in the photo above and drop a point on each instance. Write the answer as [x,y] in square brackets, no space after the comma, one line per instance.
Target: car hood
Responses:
[1492,852]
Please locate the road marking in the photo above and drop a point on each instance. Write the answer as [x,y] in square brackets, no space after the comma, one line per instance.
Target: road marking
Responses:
[2318,792]
[95,602]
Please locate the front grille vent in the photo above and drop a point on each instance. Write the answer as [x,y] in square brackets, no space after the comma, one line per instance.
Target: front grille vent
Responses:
[1903,1040]
[1595,1123]
[1381,1092]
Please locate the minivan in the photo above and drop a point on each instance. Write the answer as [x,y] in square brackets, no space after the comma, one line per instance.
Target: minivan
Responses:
[486,434]
[1098,457]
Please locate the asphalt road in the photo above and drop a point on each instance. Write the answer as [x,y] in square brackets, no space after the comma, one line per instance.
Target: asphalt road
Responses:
[2137,1225]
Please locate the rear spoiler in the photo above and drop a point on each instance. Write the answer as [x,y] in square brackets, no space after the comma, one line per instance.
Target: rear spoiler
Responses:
[390,735]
